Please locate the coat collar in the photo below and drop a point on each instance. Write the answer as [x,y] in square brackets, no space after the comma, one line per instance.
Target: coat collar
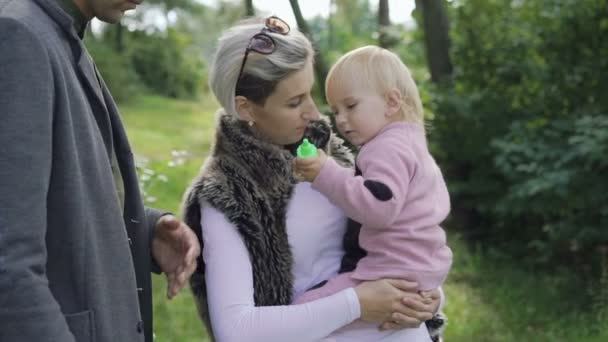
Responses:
[58,14]
[85,67]
[79,21]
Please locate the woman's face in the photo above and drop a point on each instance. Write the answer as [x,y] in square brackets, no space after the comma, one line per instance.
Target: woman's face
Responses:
[284,116]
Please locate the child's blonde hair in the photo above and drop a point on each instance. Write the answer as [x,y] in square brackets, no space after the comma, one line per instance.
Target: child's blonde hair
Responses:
[382,71]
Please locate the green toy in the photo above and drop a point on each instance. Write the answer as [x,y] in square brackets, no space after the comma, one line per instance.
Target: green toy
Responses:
[307,150]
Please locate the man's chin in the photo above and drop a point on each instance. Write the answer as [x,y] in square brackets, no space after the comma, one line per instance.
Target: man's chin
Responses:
[111,18]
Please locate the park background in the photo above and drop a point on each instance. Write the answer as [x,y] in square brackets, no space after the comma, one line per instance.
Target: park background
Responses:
[516,101]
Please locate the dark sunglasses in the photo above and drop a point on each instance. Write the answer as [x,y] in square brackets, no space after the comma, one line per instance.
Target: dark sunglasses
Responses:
[263,42]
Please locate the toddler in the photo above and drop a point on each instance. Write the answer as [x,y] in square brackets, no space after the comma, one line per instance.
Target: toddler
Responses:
[397,191]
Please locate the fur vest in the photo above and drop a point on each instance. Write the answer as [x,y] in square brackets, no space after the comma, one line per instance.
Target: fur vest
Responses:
[251,182]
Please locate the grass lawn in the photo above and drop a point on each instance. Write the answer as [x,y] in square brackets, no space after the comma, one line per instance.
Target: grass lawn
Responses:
[489,298]
[157,127]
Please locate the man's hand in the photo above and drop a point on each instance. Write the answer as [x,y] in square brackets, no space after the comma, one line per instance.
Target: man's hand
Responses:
[308,168]
[175,248]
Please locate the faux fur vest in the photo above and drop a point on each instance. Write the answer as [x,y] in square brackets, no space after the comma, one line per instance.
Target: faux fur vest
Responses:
[251,182]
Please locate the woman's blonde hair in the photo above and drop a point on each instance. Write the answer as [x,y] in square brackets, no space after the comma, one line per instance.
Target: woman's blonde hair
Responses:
[261,73]
[382,71]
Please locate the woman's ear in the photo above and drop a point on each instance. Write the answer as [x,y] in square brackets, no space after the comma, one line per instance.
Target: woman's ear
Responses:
[393,102]
[244,108]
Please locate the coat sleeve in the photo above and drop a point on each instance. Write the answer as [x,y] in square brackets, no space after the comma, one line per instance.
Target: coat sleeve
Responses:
[152,216]
[28,309]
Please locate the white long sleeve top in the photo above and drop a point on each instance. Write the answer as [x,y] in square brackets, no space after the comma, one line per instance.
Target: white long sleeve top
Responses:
[315,228]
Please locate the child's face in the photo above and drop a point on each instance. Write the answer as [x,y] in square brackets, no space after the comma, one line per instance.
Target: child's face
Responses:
[360,112]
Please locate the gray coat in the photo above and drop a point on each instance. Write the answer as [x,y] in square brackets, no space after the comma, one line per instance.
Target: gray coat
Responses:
[74,265]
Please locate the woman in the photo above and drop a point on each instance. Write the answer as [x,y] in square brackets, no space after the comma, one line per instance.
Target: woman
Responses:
[267,237]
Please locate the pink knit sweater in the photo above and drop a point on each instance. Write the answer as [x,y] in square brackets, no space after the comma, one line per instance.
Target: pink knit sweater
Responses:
[400,199]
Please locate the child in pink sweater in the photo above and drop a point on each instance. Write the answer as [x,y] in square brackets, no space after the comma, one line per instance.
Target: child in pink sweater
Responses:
[397,192]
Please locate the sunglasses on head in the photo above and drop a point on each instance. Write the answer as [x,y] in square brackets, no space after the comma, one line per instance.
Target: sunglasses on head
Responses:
[263,42]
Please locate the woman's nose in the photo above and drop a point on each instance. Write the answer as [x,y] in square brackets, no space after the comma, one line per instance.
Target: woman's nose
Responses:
[312,113]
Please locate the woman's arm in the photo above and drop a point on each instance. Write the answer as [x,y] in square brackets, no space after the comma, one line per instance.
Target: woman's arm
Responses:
[235,317]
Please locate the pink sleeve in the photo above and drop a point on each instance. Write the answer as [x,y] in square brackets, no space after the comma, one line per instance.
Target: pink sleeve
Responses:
[385,166]
[234,316]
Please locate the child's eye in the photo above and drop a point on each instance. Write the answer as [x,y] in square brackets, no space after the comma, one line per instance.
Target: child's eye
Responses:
[351,106]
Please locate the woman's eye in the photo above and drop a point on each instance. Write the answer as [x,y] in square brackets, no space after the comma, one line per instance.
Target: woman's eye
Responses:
[294,104]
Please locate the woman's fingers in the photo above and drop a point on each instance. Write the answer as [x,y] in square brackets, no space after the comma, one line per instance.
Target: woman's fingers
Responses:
[403,285]
[399,321]
[389,325]
[421,305]
[431,294]
[403,321]
[415,314]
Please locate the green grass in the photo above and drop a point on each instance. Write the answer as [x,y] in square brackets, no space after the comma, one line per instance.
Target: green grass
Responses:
[489,298]
[493,298]
[157,127]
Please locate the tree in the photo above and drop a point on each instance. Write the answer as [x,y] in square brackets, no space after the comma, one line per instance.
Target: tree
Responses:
[436,36]
[320,66]
[330,24]
[384,22]
[249,10]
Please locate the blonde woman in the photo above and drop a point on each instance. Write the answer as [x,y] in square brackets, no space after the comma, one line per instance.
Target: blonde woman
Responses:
[267,237]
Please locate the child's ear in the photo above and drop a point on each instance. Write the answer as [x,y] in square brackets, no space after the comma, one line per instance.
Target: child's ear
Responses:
[244,108]
[393,102]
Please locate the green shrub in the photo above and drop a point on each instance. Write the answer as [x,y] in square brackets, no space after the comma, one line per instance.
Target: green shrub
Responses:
[522,133]
[116,70]
[166,65]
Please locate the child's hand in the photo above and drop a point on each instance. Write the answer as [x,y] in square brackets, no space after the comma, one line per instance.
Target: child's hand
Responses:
[308,168]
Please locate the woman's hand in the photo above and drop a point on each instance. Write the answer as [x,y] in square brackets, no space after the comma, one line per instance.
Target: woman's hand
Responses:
[393,300]
[420,307]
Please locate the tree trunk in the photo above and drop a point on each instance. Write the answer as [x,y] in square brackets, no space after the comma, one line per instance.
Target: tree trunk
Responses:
[384,22]
[120,45]
[320,66]
[249,10]
[436,36]
[330,25]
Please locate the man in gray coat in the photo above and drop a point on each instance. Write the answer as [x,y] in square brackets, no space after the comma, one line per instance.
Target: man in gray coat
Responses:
[76,244]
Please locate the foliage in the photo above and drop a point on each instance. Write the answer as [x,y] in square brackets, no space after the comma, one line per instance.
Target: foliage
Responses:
[139,54]
[162,61]
[490,297]
[522,133]
[116,70]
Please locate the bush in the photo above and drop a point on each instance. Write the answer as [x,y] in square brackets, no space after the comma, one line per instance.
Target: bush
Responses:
[523,130]
[166,66]
[116,70]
